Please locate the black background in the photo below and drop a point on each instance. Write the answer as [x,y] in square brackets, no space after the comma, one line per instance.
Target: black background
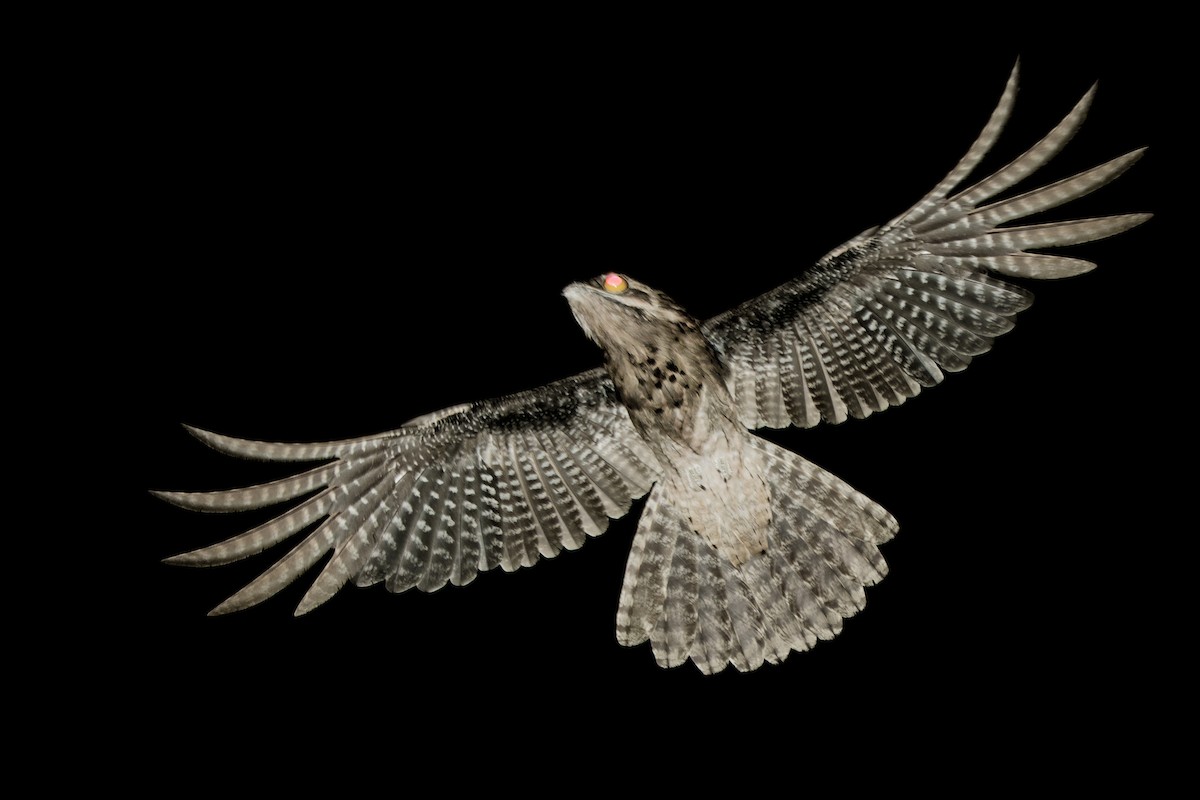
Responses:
[331,236]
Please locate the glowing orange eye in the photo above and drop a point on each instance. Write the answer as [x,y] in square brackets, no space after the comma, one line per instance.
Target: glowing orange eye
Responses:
[614,283]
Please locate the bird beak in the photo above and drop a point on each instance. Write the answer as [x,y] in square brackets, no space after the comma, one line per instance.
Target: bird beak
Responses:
[575,292]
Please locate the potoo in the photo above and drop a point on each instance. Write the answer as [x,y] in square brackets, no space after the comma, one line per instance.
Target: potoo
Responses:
[744,551]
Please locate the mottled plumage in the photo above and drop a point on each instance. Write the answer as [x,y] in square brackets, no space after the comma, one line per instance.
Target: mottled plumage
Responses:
[744,552]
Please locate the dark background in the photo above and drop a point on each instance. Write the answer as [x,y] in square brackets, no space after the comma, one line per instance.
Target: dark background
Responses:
[332,236]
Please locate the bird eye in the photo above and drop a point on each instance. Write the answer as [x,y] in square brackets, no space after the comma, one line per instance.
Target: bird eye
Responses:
[614,283]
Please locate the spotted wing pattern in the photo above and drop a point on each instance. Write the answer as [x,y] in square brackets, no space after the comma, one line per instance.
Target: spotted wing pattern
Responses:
[494,483]
[892,310]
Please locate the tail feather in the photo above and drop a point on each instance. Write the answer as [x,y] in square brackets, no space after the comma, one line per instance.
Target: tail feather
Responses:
[644,588]
[675,633]
[715,640]
[747,618]
[781,627]
[691,601]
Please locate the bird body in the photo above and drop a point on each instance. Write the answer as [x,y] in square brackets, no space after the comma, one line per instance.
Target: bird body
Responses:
[744,551]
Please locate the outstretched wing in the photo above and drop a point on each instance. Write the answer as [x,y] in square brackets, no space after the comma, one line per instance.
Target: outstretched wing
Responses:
[892,310]
[466,489]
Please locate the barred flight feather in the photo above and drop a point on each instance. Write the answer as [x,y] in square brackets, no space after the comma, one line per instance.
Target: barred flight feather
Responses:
[495,483]
[942,246]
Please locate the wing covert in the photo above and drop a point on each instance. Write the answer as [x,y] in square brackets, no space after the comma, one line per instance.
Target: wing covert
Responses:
[495,483]
[895,308]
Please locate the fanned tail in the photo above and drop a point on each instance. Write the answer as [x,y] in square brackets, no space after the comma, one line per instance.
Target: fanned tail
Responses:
[690,601]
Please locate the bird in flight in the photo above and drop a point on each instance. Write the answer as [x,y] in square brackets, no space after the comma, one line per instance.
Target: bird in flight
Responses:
[744,551]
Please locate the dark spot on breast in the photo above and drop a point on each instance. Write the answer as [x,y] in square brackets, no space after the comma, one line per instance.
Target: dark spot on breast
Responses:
[672,367]
[678,403]
[653,348]
[658,373]
[658,410]
[672,379]
[650,362]
[658,384]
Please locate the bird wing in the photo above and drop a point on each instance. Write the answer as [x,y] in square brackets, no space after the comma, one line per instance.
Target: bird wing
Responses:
[450,494]
[893,309]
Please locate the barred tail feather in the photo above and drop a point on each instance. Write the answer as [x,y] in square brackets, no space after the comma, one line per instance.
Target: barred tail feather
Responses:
[690,601]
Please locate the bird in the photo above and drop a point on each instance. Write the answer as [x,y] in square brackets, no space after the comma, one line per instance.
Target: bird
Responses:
[744,551]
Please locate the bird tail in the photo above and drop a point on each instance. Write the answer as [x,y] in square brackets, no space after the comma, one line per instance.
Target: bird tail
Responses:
[692,601]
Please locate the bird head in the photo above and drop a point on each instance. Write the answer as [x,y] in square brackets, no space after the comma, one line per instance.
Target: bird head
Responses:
[617,312]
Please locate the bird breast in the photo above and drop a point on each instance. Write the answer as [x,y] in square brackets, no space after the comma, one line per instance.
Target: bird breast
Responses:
[673,390]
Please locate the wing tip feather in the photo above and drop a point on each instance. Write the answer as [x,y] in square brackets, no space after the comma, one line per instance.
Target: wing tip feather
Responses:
[307,604]
[202,557]
[239,601]
[219,442]
[1136,219]
[207,437]
[181,560]
[195,501]
[222,609]
[174,498]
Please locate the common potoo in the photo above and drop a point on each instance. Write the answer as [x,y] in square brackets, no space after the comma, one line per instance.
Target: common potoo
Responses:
[744,551]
